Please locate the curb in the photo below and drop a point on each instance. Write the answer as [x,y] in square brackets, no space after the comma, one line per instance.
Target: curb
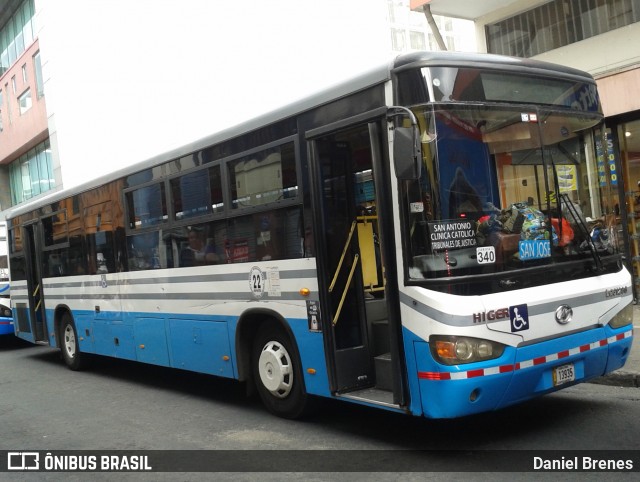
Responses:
[618,379]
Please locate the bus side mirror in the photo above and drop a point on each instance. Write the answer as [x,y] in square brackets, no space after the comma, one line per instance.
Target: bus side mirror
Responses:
[407,154]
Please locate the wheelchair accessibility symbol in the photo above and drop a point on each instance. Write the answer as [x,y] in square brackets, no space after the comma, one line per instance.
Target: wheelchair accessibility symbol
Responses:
[519,316]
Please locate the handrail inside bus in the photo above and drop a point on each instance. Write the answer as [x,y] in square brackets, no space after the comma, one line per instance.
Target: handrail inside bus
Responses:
[344,253]
[346,288]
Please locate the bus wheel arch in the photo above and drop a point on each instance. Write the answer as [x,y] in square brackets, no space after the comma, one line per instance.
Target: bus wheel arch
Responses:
[67,339]
[269,359]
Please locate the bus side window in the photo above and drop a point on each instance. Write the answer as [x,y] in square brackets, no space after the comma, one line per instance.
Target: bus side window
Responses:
[143,252]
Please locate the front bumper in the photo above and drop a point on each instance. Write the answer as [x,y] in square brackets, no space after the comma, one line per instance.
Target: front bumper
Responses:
[519,374]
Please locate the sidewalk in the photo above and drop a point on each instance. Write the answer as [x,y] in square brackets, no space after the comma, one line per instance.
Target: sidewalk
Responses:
[629,374]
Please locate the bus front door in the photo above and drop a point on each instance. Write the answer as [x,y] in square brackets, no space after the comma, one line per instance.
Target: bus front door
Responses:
[349,264]
[34,285]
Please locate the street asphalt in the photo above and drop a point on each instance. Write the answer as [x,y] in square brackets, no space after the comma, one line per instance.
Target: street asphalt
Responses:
[629,374]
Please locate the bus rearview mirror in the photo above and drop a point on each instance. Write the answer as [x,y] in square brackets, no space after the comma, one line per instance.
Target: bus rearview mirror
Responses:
[406,153]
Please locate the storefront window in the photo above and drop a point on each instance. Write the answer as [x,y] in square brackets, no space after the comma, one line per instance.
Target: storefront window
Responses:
[629,139]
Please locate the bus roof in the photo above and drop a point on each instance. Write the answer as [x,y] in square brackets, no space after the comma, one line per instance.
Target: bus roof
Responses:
[488,61]
[373,77]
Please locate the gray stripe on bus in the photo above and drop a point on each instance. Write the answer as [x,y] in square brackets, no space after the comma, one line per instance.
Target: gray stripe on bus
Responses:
[239,296]
[467,320]
[208,278]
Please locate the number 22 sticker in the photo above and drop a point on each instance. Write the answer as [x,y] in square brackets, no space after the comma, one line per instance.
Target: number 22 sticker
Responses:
[256,282]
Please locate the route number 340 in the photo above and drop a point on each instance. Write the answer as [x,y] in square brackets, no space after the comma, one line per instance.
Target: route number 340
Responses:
[486,254]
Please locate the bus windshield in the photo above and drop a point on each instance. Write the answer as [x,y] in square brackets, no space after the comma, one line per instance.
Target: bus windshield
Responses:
[507,188]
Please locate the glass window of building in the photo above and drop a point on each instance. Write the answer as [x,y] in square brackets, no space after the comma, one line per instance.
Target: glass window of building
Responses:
[397,39]
[629,141]
[417,40]
[16,35]
[32,173]
[25,102]
[6,89]
[27,24]
[37,69]
[558,23]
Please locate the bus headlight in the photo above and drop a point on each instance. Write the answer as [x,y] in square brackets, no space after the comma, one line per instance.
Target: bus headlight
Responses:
[5,312]
[624,317]
[455,350]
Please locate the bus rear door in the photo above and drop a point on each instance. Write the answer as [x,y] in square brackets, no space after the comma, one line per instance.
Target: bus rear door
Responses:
[32,247]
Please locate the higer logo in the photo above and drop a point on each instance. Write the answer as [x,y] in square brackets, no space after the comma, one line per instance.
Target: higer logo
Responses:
[491,315]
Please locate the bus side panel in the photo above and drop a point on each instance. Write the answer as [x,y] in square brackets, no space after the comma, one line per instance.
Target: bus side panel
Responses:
[415,400]
[200,346]
[311,348]
[22,322]
[49,319]
[151,340]
[84,329]
[114,338]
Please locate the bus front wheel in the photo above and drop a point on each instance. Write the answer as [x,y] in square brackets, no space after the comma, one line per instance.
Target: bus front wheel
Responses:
[69,344]
[277,373]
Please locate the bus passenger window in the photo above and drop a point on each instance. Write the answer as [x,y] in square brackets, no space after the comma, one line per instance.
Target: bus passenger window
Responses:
[146,206]
[198,250]
[144,252]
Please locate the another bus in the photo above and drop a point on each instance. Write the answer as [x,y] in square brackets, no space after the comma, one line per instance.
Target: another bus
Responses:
[6,320]
[437,237]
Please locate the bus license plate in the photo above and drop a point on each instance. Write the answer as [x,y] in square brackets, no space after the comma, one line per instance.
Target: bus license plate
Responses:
[563,374]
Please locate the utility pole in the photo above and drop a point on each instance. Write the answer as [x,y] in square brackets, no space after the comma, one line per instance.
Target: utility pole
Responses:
[426,8]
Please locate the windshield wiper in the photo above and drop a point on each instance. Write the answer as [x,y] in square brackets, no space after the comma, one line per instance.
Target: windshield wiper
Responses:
[584,230]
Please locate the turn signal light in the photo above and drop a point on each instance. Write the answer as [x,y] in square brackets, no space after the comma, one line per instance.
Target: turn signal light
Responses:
[445,349]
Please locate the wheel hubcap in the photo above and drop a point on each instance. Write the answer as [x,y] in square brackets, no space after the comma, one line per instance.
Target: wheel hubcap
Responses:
[70,341]
[275,369]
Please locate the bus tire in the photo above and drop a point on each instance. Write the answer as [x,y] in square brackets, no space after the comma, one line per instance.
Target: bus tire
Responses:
[69,344]
[277,373]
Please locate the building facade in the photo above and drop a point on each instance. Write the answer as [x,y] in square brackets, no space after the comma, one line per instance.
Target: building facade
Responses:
[26,164]
[410,31]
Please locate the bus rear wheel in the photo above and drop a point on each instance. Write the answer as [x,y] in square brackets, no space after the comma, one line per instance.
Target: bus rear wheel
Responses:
[69,344]
[277,373]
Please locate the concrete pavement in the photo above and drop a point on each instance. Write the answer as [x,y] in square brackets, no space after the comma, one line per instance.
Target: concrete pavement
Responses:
[629,374]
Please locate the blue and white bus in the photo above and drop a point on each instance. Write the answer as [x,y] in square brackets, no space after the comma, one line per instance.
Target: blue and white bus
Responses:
[6,320]
[436,237]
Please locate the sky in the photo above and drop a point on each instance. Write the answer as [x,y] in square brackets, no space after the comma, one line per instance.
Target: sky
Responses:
[126,80]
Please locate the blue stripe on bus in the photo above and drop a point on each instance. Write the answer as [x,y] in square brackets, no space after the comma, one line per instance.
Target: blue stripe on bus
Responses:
[192,342]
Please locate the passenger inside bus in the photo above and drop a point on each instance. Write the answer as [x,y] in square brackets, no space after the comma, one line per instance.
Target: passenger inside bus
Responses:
[199,251]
